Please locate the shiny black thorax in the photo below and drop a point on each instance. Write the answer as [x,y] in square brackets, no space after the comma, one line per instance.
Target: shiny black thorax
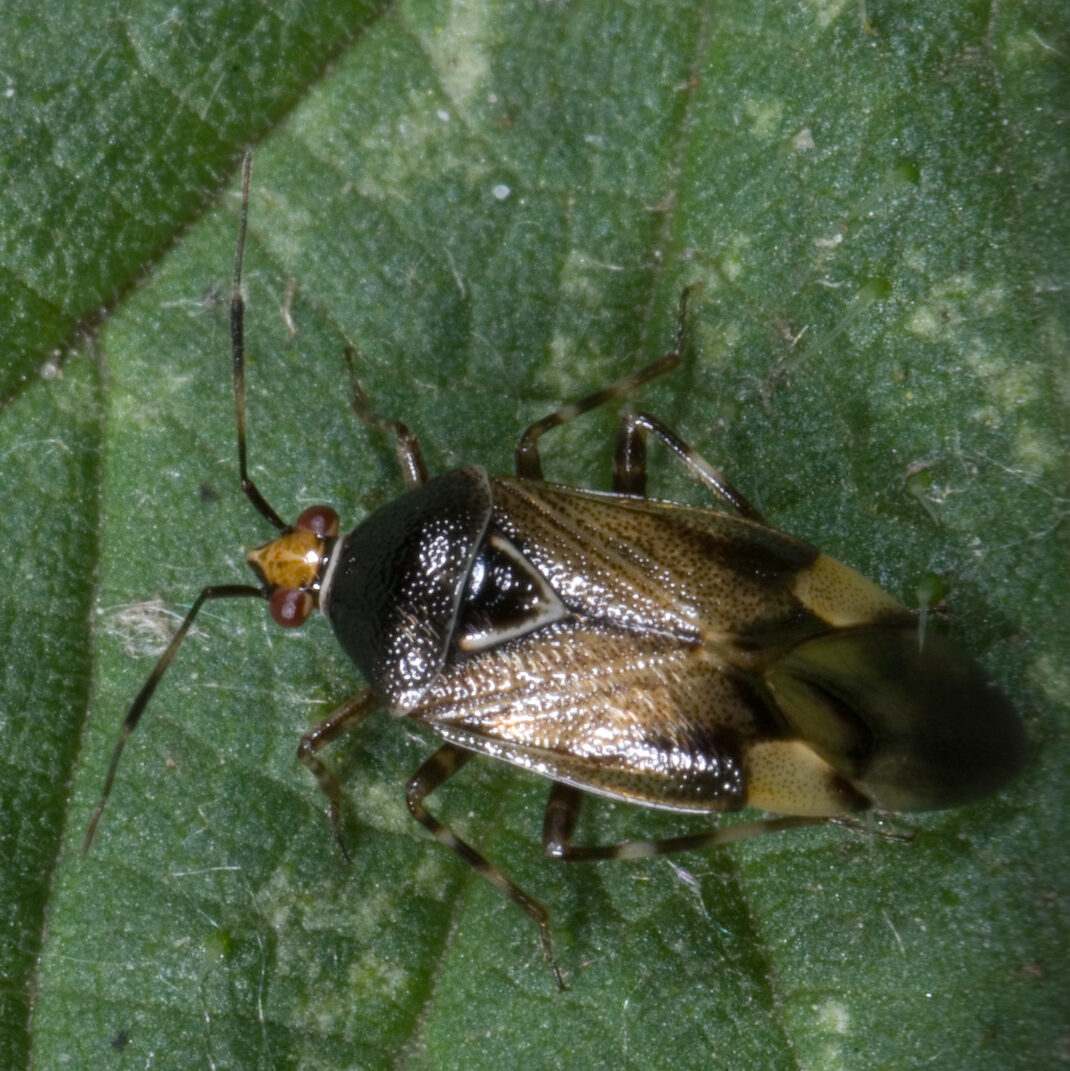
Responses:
[398,587]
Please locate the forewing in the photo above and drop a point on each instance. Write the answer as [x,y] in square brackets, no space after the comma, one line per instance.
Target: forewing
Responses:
[645,566]
[642,718]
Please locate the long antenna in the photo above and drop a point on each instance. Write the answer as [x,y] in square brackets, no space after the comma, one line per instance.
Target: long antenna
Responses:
[217,591]
[137,707]
[237,356]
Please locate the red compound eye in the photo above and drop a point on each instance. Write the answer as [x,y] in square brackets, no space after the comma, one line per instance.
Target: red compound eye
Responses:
[290,607]
[320,520]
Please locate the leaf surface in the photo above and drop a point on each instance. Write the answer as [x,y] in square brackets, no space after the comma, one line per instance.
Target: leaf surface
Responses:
[499,205]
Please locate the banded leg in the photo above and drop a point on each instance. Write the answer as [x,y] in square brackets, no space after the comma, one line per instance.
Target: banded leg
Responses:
[442,765]
[629,463]
[410,457]
[563,809]
[338,722]
[528,463]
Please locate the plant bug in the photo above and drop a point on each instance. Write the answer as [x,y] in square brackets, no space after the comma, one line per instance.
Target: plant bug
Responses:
[672,656]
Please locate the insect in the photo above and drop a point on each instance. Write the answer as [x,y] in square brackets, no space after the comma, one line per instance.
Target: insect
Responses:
[691,659]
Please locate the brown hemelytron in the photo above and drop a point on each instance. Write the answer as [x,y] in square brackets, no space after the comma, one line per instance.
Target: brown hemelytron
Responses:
[669,655]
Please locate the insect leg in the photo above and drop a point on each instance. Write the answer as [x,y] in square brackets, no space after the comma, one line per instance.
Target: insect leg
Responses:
[629,463]
[442,765]
[528,463]
[410,457]
[563,809]
[629,458]
[339,721]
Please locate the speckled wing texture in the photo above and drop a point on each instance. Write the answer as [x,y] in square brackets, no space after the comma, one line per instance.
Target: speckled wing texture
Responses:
[650,689]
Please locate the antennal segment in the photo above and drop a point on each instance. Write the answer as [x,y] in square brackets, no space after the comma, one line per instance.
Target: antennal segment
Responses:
[137,707]
[237,354]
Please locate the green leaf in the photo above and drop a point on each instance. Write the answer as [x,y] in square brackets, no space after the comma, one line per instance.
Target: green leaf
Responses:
[499,205]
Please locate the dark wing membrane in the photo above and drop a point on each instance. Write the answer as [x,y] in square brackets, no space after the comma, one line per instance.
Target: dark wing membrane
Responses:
[641,718]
